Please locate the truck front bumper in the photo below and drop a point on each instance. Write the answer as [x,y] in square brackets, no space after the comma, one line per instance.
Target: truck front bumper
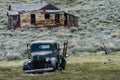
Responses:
[38,70]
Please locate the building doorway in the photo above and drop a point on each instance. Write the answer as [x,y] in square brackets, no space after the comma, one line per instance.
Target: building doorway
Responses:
[33,19]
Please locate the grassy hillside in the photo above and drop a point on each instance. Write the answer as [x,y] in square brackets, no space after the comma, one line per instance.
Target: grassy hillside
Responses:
[99,21]
[92,67]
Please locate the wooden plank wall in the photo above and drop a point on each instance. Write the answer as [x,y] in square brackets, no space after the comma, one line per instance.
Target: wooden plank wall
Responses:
[72,20]
[12,24]
[25,20]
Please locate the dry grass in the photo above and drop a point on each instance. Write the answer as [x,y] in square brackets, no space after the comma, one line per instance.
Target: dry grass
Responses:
[90,67]
[93,58]
[98,20]
[11,63]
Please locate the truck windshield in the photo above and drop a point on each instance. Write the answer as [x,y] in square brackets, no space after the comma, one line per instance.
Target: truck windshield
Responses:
[41,47]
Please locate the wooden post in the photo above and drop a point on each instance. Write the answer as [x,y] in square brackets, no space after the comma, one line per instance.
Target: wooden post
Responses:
[65,48]
[28,50]
[3,48]
[12,26]
[110,2]
[105,48]
[41,1]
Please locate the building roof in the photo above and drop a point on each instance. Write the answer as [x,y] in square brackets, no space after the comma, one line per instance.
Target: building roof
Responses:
[13,13]
[49,11]
[53,11]
[27,7]
[15,8]
[32,7]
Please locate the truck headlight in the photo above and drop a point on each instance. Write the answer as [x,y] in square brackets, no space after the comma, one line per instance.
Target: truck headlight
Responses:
[47,59]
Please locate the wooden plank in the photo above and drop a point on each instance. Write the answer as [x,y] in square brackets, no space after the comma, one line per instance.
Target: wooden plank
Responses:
[104,47]
[8,1]
[41,21]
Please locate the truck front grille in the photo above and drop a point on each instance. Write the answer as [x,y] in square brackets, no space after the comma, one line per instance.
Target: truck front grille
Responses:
[39,64]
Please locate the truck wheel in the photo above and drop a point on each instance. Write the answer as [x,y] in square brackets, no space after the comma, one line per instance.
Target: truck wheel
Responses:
[63,64]
[54,64]
[27,66]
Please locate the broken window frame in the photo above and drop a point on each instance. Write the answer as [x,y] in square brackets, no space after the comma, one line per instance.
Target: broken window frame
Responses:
[15,18]
[47,16]
[57,18]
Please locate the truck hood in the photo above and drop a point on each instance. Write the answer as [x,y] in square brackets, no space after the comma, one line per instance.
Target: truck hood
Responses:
[41,53]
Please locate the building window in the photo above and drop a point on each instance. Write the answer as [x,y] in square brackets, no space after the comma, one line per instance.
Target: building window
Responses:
[33,19]
[47,16]
[57,18]
[14,17]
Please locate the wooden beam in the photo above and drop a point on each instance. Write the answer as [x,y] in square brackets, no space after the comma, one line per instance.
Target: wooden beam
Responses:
[8,1]
[104,47]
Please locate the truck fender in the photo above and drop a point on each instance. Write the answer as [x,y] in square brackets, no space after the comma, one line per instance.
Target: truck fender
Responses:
[26,65]
[54,63]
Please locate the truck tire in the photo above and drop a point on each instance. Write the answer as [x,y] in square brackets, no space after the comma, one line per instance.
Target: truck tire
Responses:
[63,63]
[54,63]
[27,66]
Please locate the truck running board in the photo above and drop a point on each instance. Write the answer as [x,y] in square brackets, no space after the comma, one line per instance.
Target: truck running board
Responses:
[38,70]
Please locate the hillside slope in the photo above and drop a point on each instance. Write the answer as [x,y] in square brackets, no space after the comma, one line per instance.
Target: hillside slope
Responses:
[99,21]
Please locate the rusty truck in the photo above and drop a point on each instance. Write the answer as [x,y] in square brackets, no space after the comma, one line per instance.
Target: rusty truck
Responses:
[45,56]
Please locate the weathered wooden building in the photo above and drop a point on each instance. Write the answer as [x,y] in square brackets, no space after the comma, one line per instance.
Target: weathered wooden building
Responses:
[38,15]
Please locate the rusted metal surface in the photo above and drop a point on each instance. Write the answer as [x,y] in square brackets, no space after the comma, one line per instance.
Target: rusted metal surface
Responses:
[65,48]
[38,70]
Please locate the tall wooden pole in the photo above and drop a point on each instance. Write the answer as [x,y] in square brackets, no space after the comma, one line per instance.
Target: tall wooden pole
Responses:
[41,1]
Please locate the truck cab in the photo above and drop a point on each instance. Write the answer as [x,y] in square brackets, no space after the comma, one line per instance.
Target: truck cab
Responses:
[44,56]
